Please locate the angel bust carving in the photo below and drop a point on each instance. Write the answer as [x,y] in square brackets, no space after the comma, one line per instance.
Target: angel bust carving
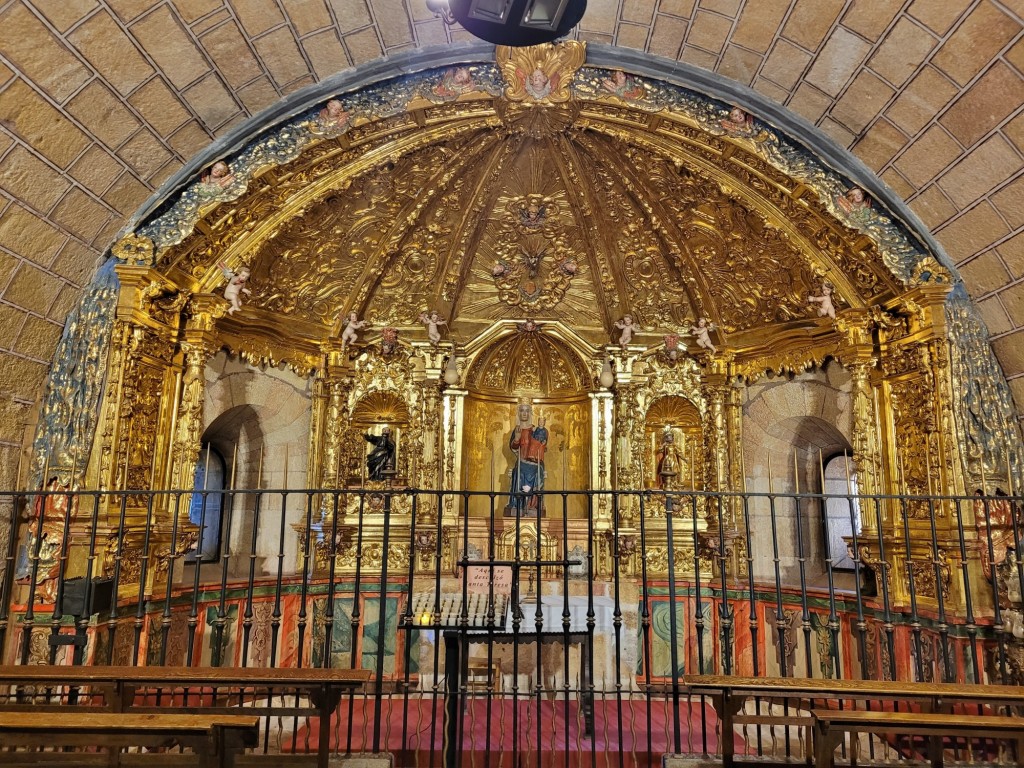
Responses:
[541,73]
[236,286]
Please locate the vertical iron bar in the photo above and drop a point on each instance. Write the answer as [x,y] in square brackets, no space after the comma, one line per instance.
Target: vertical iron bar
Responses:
[947,676]
[833,618]
[28,622]
[436,620]
[275,616]
[307,572]
[698,613]
[378,692]
[805,615]
[356,617]
[673,629]
[589,703]
[491,614]
[10,557]
[332,567]
[754,624]
[890,630]
[116,585]
[253,542]
[997,618]
[915,621]
[725,614]
[166,619]
[140,610]
[971,626]
[862,626]
[538,620]
[645,621]
[227,506]
[566,616]
[617,622]
[463,632]
[57,618]
[193,614]
[408,623]
[780,619]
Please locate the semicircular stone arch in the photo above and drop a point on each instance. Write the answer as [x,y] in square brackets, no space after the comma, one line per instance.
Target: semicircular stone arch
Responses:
[927,95]
[387,168]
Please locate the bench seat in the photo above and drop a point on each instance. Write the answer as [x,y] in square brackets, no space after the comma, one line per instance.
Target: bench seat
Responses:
[216,740]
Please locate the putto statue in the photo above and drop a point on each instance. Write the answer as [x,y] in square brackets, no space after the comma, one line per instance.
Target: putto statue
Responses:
[382,457]
[351,333]
[702,331]
[528,442]
[433,321]
[236,286]
[628,328]
[825,305]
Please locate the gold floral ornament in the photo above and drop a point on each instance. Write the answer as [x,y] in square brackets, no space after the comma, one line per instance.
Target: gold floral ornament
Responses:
[929,270]
[541,74]
[134,250]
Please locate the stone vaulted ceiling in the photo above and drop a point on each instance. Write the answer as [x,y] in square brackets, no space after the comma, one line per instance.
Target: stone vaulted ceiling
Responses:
[103,100]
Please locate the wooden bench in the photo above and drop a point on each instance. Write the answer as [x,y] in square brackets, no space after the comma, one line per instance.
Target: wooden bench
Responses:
[131,689]
[729,693]
[216,740]
[830,726]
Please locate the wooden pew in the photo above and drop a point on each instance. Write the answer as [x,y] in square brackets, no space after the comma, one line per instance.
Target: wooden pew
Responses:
[830,727]
[216,740]
[131,689]
[729,693]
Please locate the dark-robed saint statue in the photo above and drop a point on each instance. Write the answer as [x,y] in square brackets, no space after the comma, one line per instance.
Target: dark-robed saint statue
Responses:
[382,457]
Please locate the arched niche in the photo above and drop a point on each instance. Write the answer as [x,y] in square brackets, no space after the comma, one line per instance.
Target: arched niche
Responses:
[534,366]
[370,415]
[678,416]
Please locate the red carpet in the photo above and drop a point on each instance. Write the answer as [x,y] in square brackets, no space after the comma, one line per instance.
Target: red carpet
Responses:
[492,741]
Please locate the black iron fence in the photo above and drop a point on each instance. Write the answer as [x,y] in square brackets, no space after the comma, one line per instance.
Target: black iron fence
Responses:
[518,630]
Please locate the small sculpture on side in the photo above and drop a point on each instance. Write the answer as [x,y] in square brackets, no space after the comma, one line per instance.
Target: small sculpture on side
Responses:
[626,87]
[672,346]
[455,82]
[333,119]
[738,123]
[388,341]
[236,286]
[669,461]
[350,335]
[826,307]
[382,457]
[702,332]
[433,321]
[217,178]
[628,328]
[855,203]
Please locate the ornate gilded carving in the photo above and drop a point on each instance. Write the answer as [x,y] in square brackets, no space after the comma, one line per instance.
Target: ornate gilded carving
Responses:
[540,74]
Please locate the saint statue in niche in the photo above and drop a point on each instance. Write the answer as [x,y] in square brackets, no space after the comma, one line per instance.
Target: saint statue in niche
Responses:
[528,443]
[669,462]
[382,457]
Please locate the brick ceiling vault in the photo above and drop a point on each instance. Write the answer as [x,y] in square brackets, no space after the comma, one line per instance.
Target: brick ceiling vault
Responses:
[103,100]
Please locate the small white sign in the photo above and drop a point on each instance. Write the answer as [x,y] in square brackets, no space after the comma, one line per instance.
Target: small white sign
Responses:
[480,580]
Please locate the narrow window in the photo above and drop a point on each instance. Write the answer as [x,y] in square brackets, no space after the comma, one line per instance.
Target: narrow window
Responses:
[842,510]
[207,505]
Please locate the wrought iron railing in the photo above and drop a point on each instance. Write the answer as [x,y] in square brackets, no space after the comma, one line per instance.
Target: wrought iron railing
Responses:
[498,637]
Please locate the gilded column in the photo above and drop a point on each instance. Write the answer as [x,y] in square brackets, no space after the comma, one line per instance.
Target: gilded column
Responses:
[199,345]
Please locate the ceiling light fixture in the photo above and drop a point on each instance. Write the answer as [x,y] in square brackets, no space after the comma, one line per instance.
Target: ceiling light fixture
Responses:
[512,22]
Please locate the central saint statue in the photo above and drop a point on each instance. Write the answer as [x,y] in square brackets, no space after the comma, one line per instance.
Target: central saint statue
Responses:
[528,443]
